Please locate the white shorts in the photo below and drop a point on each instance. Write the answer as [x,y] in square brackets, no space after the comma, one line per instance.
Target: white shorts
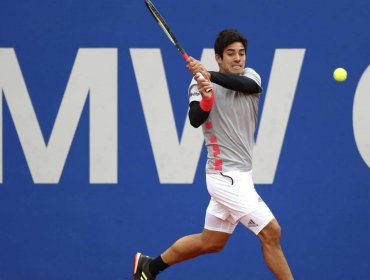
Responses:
[233,200]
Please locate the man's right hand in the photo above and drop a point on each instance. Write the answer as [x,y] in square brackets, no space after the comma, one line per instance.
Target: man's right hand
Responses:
[195,66]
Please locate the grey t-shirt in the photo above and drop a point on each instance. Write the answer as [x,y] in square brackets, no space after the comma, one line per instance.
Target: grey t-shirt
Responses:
[229,129]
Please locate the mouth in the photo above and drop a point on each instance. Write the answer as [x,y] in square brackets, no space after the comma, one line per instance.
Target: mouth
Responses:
[236,67]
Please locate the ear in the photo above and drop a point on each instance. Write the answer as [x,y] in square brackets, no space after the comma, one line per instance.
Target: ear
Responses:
[218,59]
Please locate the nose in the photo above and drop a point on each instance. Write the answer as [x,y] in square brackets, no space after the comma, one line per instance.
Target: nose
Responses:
[237,57]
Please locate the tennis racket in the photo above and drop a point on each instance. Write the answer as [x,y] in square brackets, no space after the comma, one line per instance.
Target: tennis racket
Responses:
[166,29]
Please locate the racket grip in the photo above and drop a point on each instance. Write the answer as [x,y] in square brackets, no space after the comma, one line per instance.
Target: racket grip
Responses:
[201,77]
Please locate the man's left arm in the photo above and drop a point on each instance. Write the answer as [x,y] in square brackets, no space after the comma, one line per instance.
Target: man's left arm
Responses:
[235,82]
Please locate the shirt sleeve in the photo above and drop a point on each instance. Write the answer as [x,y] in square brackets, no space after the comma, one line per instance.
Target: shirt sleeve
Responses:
[196,115]
[252,74]
[193,92]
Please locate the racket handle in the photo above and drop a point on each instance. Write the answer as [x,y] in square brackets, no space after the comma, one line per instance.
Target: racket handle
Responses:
[201,77]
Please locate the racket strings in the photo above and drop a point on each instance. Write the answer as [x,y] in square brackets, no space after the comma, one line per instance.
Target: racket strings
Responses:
[161,21]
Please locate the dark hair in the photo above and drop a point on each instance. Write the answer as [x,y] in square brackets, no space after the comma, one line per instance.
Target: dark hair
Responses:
[227,37]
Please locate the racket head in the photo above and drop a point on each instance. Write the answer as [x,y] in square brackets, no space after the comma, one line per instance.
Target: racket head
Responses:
[164,26]
[160,20]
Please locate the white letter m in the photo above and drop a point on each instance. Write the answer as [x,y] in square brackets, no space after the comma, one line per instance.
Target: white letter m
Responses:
[95,74]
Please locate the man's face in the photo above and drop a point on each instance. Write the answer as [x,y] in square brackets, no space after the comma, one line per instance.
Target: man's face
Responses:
[233,60]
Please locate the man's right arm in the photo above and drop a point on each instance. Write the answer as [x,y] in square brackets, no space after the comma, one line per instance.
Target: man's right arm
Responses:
[201,95]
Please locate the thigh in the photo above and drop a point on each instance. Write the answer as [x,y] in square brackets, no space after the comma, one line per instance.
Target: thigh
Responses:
[271,231]
[258,219]
[215,237]
[234,194]
[218,225]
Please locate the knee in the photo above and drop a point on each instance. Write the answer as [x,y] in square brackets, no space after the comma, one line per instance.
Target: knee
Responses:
[271,233]
[212,246]
[213,241]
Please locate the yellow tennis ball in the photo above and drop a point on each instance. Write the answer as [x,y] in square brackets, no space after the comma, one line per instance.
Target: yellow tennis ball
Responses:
[340,74]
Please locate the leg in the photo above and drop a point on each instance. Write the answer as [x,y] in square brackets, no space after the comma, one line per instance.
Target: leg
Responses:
[195,245]
[211,240]
[272,251]
[264,225]
[183,249]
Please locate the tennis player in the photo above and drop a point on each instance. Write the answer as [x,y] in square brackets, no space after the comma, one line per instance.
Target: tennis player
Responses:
[225,104]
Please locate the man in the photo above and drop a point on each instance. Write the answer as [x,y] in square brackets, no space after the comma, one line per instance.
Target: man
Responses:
[225,104]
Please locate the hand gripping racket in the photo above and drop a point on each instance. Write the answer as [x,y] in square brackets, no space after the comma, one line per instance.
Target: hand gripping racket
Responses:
[162,23]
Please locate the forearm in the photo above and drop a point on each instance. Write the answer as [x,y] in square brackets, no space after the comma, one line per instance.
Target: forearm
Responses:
[235,82]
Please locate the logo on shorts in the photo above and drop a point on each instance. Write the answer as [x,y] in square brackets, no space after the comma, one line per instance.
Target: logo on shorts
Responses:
[251,223]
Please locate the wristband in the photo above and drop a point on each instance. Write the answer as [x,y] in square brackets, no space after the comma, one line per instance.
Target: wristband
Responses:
[206,104]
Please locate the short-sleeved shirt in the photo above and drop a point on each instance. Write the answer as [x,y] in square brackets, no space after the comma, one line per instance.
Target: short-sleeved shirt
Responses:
[229,130]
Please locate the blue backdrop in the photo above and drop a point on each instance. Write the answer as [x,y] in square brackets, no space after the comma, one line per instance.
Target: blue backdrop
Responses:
[74,229]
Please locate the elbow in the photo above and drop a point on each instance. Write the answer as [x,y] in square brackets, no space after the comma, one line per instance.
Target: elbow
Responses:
[194,123]
[252,89]
[258,89]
